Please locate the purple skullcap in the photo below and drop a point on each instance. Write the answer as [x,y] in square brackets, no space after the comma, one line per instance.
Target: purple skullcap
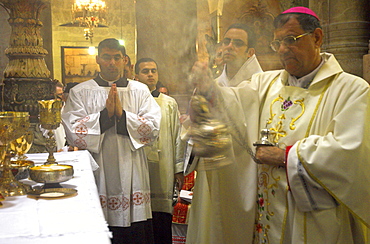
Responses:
[300,10]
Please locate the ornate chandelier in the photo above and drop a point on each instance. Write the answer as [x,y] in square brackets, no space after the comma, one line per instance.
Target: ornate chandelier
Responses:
[88,14]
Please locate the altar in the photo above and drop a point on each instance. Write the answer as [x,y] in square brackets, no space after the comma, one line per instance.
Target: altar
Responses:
[76,218]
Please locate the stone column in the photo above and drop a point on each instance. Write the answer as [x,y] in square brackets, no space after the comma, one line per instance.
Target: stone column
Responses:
[366,66]
[346,27]
[26,77]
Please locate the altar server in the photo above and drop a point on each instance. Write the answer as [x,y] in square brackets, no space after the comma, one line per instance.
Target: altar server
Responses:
[114,118]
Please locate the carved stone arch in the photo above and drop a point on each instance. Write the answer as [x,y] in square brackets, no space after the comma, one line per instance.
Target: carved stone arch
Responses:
[260,20]
[260,17]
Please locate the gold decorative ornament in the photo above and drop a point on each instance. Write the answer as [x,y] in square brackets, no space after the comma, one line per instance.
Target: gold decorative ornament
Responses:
[26,76]
[12,126]
[21,146]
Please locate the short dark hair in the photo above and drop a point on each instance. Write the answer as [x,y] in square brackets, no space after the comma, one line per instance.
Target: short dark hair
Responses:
[111,43]
[69,86]
[128,60]
[143,60]
[248,30]
[308,22]
[59,84]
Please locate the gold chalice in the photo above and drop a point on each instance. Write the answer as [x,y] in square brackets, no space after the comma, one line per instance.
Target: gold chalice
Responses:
[12,126]
[50,173]
[50,118]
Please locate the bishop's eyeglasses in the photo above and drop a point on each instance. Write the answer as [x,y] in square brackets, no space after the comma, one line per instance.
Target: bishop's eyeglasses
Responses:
[287,41]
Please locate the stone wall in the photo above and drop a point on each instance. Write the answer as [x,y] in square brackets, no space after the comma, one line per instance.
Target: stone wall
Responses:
[346,26]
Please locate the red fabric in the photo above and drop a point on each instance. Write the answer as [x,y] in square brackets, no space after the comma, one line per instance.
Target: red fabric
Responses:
[180,210]
[180,213]
[188,182]
[301,10]
[178,240]
[287,149]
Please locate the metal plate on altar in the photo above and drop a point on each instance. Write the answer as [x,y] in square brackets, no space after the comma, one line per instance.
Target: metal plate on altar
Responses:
[52,192]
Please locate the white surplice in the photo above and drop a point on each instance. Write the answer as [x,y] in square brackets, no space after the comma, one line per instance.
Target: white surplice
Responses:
[250,67]
[323,195]
[224,201]
[123,177]
[165,156]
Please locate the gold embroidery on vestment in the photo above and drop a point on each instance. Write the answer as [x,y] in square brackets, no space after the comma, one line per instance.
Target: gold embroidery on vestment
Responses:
[277,131]
[300,102]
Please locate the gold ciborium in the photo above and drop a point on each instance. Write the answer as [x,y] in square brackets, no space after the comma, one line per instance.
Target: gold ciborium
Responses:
[50,118]
[12,126]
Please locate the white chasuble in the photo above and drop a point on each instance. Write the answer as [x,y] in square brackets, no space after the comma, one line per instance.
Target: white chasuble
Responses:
[122,177]
[322,196]
[323,193]
[165,156]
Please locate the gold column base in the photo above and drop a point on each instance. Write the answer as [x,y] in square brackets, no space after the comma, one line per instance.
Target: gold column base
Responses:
[9,186]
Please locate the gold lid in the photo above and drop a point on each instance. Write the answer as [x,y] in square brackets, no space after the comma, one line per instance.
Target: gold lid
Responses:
[51,167]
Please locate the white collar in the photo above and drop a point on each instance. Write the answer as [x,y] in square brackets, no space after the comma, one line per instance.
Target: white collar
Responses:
[109,82]
[305,81]
[250,67]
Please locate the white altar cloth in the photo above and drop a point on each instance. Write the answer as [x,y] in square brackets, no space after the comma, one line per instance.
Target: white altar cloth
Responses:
[74,219]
